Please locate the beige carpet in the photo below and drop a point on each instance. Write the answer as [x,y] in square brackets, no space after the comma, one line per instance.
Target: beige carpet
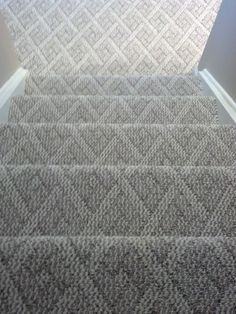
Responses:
[110,36]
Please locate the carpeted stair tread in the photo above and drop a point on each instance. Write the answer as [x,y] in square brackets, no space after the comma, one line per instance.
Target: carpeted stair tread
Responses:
[117,201]
[114,85]
[117,275]
[114,109]
[112,144]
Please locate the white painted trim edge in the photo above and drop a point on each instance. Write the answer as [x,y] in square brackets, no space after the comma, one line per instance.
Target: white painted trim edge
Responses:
[220,93]
[9,88]
[195,70]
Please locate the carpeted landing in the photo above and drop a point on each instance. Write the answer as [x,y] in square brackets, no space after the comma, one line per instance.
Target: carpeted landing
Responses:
[109,37]
[117,195]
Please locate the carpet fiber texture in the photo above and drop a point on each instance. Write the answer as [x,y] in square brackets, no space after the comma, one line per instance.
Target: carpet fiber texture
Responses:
[114,85]
[114,201]
[114,109]
[114,144]
[117,181]
[117,275]
[97,218]
[107,37]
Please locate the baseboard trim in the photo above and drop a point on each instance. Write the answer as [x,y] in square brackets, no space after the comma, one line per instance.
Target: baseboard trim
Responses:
[15,86]
[220,93]
[9,88]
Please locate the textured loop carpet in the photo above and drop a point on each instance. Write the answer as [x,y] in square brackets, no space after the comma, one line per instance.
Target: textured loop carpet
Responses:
[114,109]
[171,145]
[113,201]
[117,185]
[147,239]
[114,85]
[117,275]
[108,37]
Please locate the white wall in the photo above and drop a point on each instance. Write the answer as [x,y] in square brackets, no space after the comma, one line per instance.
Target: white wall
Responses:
[219,56]
[8,60]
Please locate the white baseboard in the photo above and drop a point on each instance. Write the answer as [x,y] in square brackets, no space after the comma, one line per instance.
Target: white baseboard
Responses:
[220,93]
[15,86]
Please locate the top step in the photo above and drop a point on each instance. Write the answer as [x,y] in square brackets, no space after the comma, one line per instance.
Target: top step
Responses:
[114,85]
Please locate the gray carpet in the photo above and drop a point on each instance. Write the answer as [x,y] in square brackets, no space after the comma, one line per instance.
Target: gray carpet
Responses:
[118,275]
[141,177]
[108,37]
[107,144]
[113,201]
[114,85]
[114,109]
[148,239]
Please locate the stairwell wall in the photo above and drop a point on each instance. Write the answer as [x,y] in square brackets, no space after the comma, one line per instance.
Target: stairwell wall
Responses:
[219,56]
[8,59]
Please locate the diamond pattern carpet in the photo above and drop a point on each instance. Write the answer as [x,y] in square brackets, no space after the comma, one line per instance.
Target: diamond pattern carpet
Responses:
[171,145]
[97,218]
[117,275]
[115,85]
[129,201]
[117,185]
[126,213]
[107,37]
[113,109]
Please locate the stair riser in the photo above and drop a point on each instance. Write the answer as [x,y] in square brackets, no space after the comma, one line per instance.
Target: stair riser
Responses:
[114,85]
[91,109]
[89,144]
[111,201]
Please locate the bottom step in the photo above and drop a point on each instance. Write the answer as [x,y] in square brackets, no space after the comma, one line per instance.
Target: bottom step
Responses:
[117,275]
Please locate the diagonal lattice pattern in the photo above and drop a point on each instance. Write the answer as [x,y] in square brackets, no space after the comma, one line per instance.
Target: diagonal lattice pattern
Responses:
[112,109]
[115,85]
[170,145]
[107,37]
[112,201]
[117,275]
[130,166]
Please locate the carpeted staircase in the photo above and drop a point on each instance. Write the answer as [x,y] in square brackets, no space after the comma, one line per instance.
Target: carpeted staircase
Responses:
[117,195]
